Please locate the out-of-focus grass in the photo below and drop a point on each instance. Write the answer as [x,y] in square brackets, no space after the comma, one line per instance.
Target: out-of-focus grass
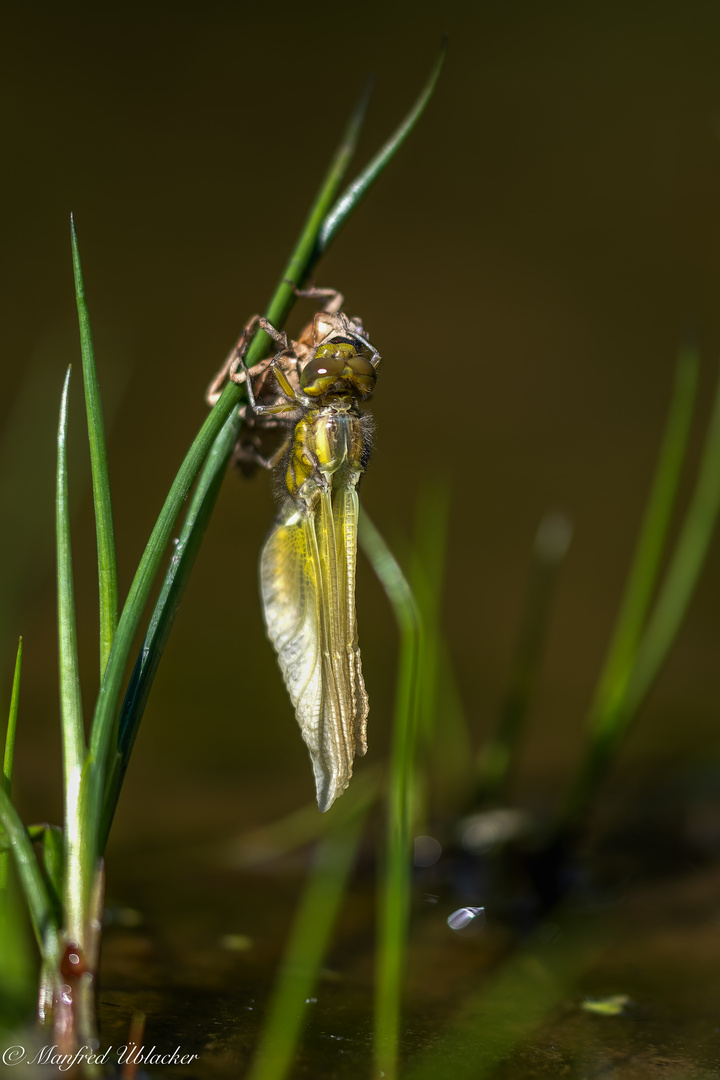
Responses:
[552,541]
[312,928]
[643,637]
[94,762]
[396,860]
[493,1022]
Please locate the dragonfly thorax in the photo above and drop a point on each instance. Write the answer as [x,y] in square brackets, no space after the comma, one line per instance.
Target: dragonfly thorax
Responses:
[328,450]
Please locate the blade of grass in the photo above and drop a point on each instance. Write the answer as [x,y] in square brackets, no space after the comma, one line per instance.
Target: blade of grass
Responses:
[427,569]
[73,737]
[42,916]
[18,961]
[394,904]
[11,729]
[551,544]
[306,253]
[309,937]
[684,570]
[653,537]
[636,654]
[301,261]
[29,553]
[281,302]
[289,833]
[495,1021]
[53,859]
[359,187]
[105,533]
[445,749]
[161,623]
[9,752]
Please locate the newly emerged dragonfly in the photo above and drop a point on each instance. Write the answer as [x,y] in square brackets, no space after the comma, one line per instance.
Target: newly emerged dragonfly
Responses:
[307,566]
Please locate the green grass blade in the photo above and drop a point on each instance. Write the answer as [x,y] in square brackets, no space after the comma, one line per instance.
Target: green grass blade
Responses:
[445,751]
[105,533]
[163,618]
[427,569]
[53,861]
[278,838]
[11,729]
[350,198]
[635,654]
[278,308]
[395,881]
[73,737]
[8,756]
[70,698]
[18,961]
[42,916]
[307,250]
[311,932]
[653,537]
[297,269]
[549,550]
[496,1020]
[684,570]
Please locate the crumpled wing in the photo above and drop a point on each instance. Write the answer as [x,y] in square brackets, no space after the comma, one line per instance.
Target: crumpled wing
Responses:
[307,577]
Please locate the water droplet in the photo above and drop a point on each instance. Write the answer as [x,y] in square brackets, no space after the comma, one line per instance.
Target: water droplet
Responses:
[464,916]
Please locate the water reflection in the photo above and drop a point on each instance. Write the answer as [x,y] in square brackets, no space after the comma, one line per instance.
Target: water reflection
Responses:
[466,916]
[482,832]
[426,851]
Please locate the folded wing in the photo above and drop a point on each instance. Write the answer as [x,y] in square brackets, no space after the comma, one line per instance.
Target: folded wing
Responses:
[307,575]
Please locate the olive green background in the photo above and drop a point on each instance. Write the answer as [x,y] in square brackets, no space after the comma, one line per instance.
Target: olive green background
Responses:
[527,267]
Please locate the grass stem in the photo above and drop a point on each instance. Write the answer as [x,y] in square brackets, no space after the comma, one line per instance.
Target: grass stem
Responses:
[8,756]
[552,541]
[310,934]
[73,736]
[104,530]
[394,900]
[641,643]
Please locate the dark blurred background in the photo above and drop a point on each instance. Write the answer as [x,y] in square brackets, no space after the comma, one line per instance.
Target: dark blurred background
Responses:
[527,267]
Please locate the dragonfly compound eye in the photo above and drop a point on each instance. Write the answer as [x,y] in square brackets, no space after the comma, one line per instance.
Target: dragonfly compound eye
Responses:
[363,374]
[328,364]
[336,360]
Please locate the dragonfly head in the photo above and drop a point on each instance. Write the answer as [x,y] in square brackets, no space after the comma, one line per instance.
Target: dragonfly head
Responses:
[343,364]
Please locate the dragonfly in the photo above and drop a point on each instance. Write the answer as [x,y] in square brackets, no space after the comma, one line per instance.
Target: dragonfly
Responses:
[314,388]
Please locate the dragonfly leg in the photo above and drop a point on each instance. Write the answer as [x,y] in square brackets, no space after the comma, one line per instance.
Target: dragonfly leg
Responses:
[277,335]
[247,456]
[334,298]
[238,357]
[318,475]
[229,368]
[287,406]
